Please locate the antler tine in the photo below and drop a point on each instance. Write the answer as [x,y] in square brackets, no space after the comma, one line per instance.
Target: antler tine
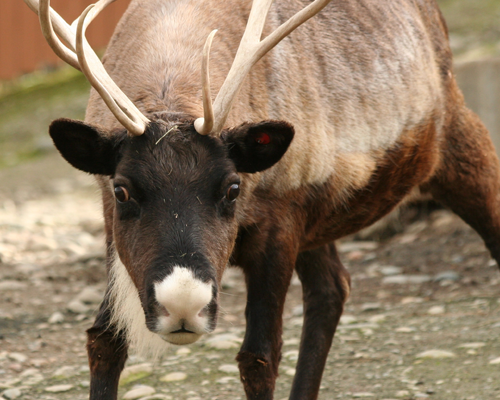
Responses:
[121,106]
[204,125]
[130,118]
[252,49]
[98,7]
[48,17]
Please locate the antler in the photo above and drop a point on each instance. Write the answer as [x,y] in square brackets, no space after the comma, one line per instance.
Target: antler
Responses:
[251,50]
[81,56]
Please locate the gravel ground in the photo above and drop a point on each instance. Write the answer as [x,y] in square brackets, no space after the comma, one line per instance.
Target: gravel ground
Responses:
[423,320]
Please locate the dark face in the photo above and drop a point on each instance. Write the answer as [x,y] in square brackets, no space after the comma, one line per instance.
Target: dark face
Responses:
[176,195]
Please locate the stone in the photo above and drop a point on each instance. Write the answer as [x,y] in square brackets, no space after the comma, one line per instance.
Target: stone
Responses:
[390,270]
[18,357]
[436,310]
[174,376]
[495,361]
[447,276]
[224,342]
[405,329]
[348,319]
[138,392]
[135,372]
[436,354]
[362,395]
[290,371]
[347,247]
[226,379]
[371,307]
[298,311]
[90,295]
[229,369]
[11,394]
[292,355]
[77,307]
[56,318]
[473,345]
[65,372]
[406,279]
[183,351]
[11,285]
[403,393]
[59,388]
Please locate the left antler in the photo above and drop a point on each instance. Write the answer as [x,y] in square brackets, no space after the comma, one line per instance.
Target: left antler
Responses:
[81,56]
[251,50]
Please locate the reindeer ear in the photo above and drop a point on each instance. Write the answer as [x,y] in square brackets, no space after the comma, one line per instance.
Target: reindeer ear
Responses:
[257,147]
[86,147]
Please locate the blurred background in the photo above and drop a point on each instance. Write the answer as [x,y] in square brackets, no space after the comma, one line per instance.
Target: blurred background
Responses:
[36,88]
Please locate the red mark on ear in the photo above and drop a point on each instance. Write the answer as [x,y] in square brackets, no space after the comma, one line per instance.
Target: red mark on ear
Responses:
[263,138]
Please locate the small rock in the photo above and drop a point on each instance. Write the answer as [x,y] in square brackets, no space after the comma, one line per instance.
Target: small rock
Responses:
[59,388]
[292,355]
[403,393]
[138,392]
[290,371]
[224,342]
[348,319]
[18,357]
[135,372]
[412,300]
[447,276]
[390,270]
[371,307]
[90,295]
[362,395]
[77,307]
[11,394]
[495,361]
[298,311]
[174,376]
[437,354]
[405,329]
[473,345]
[183,351]
[229,369]
[346,247]
[56,318]
[436,310]
[406,279]
[291,342]
[378,318]
[65,372]
[226,379]
[11,285]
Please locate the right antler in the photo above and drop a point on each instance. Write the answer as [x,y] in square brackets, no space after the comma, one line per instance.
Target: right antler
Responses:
[81,56]
[251,50]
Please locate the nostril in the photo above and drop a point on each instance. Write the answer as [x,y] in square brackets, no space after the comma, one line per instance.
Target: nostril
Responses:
[164,311]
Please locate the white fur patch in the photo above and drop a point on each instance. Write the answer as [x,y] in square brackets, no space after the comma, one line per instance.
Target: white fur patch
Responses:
[128,314]
[182,294]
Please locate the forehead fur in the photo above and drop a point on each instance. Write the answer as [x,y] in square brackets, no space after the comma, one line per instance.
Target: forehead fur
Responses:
[174,150]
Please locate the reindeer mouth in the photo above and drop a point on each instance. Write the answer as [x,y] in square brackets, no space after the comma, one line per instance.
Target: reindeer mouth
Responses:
[182,330]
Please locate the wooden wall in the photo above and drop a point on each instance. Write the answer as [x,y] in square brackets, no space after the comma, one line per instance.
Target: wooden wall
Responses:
[22,45]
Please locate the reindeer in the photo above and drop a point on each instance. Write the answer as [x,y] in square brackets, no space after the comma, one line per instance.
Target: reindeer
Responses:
[373,115]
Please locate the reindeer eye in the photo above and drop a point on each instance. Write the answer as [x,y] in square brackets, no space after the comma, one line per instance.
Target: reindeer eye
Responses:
[233,192]
[121,194]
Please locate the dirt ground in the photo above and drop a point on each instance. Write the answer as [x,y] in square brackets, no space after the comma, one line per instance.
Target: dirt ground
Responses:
[429,286]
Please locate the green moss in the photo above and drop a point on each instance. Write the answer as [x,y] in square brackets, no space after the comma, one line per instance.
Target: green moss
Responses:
[28,105]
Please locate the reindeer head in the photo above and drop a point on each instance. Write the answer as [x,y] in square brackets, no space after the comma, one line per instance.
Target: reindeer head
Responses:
[176,195]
